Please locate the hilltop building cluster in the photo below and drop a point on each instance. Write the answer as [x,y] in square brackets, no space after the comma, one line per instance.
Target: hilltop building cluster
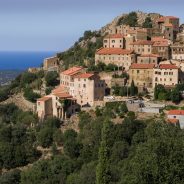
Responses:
[149,56]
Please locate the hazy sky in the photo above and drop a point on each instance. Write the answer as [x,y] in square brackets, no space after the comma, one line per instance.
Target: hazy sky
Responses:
[56,24]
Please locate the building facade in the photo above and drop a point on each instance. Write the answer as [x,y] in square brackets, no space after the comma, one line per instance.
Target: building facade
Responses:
[51,64]
[148,59]
[142,75]
[142,47]
[166,75]
[120,57]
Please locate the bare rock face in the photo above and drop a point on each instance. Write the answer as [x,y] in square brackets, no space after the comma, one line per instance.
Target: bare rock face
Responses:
[141,18]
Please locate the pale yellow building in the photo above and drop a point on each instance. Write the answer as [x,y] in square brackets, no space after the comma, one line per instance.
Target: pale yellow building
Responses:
[142,75]
[51,64]
[165,74]
[120,57]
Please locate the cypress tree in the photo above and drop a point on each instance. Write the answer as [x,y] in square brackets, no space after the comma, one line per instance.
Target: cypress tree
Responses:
[132,89]
[102,170]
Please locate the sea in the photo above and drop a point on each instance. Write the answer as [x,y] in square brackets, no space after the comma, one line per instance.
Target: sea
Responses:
[22,60]
[14,63]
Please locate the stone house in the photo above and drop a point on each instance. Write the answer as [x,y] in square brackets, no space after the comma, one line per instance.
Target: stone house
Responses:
[169,26]
[161,47]
[142,75]
[176,116]
[88,88]
[177,51]
[67,77]
[51,64]
[114,41]
[148,59]
[120,57]
[166,74]
[142,46]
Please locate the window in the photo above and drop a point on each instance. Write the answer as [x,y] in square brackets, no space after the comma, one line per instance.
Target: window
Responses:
[38,103]
[137,71]
[84,85]
[113,41]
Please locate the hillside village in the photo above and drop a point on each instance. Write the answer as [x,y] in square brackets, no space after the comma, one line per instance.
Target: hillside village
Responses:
[110,109]
[138,59]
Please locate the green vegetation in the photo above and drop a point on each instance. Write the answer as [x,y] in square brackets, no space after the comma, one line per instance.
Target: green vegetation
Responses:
[51,79]
[130,19]
[160,93]
[125,90]
[30,95]
[78,53]
[101,152]
[147,23]
[102,67]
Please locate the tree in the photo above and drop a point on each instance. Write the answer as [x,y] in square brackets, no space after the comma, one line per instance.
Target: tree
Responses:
[45,137]
[133,91]
[175,96]
[130,19]
[147,23]
[103,170]
[158,89]
[51,79]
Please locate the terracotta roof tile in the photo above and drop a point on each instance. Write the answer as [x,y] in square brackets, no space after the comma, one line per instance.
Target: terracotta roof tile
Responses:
[115,51]
[161,44]
[63,95]
[43,99]
[142,42]
[115,36]
[167,66]
[176,112]
[173,121]
[59,89]
[72,71]
[84,75]
[158,39]
[142,66]
[168,25]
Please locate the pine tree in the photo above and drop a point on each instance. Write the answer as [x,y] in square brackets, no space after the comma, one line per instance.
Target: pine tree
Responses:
[102,170]
[132,89]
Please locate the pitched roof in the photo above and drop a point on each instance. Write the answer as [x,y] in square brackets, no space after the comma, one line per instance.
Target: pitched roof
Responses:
[59,89]
[162,19]
[117,51]
[43,99]
[176,112]
[142,66]
[173,121]
[142,42]
[115,36]
[72,71]
[84,75]
[63,95]
[167,66]
[161,44]
[149,55]
[168,25]
[158,39]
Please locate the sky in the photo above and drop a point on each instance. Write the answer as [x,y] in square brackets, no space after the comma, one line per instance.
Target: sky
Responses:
[54,25]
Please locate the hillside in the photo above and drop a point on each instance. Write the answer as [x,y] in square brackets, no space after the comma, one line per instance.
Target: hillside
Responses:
[83,51]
